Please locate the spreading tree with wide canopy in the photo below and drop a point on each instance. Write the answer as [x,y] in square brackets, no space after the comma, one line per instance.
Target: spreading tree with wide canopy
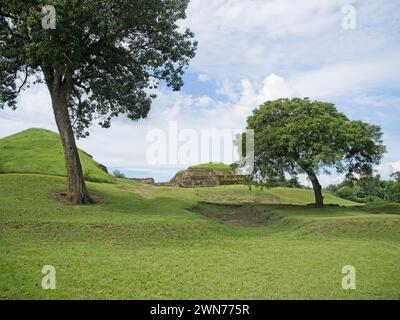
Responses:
[299,136]
[103,59]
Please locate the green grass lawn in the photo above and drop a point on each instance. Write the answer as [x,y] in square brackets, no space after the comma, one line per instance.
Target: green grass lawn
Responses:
[150,242]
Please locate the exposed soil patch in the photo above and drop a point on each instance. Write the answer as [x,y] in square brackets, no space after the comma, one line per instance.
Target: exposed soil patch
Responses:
[237,215]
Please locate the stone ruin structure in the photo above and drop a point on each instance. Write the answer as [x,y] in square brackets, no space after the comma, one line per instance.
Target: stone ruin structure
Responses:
[192,178]
[145,181]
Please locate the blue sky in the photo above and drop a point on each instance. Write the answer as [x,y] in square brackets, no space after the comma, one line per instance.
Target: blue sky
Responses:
[251,51]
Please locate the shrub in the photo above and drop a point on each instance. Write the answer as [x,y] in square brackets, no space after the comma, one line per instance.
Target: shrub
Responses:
[345,192]
[119,174]
[392,192]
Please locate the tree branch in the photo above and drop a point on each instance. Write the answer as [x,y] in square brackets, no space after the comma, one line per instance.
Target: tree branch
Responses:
[24,81]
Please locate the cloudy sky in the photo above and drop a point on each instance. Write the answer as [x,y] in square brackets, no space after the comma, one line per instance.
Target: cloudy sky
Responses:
[251,51]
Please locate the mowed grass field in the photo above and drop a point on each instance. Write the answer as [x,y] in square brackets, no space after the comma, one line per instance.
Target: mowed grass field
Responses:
[149,242]
[158,242]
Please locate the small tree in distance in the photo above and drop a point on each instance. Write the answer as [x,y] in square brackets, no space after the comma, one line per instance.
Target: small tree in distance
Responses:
[392,192]
[299,136]
[119,174]
[102,60]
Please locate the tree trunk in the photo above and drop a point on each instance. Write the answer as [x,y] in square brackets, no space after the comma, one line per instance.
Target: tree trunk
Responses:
[319,199]
[77,190]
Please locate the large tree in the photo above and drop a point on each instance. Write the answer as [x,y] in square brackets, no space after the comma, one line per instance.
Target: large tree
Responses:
[299,136]
[103,59]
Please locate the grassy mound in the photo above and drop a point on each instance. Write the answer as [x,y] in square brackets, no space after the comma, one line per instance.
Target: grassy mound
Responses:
[383,207]
[40,151]
[240,194]
[212,166]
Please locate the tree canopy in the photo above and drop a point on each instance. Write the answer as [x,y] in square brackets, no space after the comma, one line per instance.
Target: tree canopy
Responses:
[103,58]
[300,136]
[392,191]
[369,188]
[110,52]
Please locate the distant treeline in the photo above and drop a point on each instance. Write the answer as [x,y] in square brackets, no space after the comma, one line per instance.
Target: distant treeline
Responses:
[369,189]
[282,182]
[364,189]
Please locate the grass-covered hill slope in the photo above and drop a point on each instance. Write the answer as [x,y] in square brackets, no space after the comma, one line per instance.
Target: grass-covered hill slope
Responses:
[40,151]
[212,166]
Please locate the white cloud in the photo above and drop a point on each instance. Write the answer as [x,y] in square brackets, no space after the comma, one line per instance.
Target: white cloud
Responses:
[345,79]
[377,101]
[280,35]
[34,111]
[226,89]
[386,169]
[203,101]
[203,77]
[125,140]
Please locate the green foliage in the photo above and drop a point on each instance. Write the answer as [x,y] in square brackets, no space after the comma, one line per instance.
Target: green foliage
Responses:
[293,182]
[299,135]
[294,136]
[40,151]
[370,188]
[396,176]
[105,55]
[181,172]
[345,192]
[119,174]
[234,166]
[392,192]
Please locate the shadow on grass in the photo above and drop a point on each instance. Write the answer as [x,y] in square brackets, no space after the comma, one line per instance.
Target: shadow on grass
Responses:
[258,215]
[243,215]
